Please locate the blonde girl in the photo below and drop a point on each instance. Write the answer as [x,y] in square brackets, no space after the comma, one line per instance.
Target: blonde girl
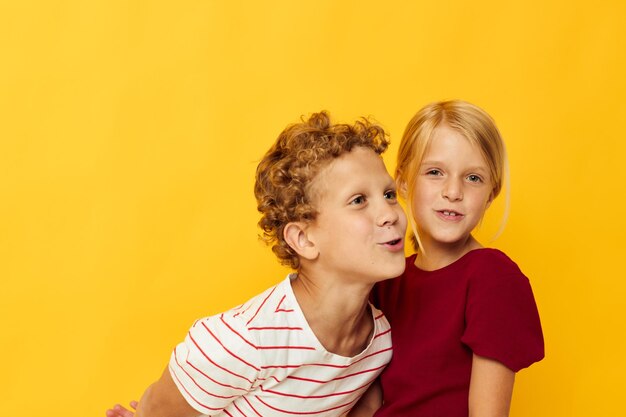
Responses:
[463,317]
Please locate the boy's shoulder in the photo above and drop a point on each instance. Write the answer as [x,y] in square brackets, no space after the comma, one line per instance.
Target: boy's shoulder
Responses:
[265,308]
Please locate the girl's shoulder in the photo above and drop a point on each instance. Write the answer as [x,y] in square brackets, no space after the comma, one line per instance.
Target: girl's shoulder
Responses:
[482,264]
[491,261]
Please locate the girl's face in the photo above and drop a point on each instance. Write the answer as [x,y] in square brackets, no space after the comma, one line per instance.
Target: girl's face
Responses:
[452,190]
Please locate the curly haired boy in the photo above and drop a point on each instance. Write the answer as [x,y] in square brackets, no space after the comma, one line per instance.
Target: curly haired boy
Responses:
[311,344]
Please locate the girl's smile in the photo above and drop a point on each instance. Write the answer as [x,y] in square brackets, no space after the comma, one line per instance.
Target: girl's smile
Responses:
[452,191]
[450,215]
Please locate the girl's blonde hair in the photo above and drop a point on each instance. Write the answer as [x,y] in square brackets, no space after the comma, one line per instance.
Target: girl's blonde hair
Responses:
[470,121]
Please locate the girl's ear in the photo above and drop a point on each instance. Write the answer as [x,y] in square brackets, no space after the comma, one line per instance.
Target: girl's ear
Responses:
[295,234]
[402,188]
[491,198]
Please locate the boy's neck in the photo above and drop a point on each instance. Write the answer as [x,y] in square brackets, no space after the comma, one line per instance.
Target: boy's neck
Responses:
[432,256]
[337,313]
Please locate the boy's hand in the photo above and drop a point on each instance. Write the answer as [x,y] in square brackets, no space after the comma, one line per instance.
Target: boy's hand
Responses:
[371,401]
[121,411]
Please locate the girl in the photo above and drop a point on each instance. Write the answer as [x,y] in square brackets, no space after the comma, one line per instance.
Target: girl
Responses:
[463,317]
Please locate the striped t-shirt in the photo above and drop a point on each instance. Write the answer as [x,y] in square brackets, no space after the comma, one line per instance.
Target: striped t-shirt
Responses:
[262,359]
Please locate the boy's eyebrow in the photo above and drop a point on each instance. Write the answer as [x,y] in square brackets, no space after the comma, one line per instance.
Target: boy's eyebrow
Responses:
[390,185]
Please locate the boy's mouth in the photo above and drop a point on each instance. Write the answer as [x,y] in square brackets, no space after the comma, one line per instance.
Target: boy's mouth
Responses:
[394,245]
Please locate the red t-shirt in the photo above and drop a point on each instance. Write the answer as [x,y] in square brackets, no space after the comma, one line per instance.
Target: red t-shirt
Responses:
[482,304]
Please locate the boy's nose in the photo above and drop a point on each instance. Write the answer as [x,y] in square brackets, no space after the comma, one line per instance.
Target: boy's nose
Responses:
[389,215]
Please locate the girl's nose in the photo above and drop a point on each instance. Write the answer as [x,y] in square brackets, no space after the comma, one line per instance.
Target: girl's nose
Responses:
[452,190]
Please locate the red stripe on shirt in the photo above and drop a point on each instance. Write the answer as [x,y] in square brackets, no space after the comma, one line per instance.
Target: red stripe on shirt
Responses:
[383,333]
[334,394]
[192,397]
[274,328]
[227,350]
[278,309]
[253,409]
[238,409]
[286,347]
[236,332]
[280,366]
[270,377]
[263,347]
[238,312]
[196,383]
[378,352]
[317,381]
[328,365]
[219,366]
[303,412]
[213,380]
[261,306]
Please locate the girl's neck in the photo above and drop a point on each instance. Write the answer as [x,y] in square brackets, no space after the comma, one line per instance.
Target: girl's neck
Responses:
[433,255]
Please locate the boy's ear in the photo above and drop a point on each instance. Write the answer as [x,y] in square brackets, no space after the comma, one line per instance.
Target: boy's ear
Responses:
[296,237]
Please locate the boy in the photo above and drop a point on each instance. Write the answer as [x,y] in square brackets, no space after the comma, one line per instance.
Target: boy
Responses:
[311,344]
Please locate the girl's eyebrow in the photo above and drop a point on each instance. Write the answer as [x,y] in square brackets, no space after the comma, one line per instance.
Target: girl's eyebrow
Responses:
[479,169]
[430,163]
[474,168]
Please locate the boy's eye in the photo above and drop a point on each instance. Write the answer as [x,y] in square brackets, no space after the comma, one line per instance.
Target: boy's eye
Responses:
[474,178]
[358,200]
[391,195]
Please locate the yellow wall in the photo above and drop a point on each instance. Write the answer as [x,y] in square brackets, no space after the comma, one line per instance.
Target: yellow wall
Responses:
[130,131]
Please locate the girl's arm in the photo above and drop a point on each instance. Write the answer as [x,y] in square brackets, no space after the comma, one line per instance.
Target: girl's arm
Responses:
[371,401]
[491,388]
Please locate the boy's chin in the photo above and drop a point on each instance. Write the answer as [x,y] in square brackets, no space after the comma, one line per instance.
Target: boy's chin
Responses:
[395,272]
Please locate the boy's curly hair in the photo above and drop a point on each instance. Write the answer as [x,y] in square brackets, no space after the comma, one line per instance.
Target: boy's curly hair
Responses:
[286,171]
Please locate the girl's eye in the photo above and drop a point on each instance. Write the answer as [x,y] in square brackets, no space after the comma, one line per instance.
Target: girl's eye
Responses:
[391,195]
[474,178]
[433,172]
[358,200]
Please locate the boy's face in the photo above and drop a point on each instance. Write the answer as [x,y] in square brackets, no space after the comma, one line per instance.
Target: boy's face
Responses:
[359,229]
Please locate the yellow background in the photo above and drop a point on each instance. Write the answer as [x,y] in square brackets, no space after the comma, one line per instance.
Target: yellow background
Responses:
[130,132]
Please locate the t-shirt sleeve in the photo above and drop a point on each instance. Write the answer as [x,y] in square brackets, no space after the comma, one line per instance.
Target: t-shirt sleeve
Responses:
[502,321]
[216,363]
